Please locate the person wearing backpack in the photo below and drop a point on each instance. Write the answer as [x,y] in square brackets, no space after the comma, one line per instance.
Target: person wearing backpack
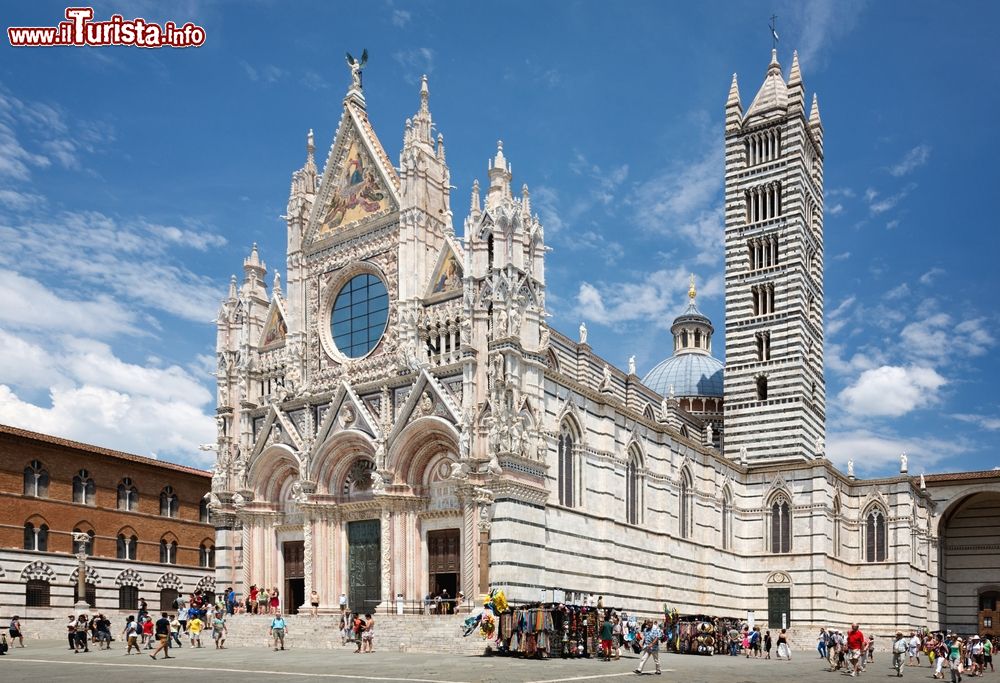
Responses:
[131,633]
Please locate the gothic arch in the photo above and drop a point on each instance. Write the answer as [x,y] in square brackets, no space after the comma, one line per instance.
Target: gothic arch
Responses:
[416,444]
[206,585]
[92,576]
[269,471]
[38,570]
[552,360]
[129,577]
[170,580]
[648,413]
[335,456]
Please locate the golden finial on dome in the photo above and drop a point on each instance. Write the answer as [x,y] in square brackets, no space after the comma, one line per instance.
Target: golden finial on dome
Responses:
[692,292]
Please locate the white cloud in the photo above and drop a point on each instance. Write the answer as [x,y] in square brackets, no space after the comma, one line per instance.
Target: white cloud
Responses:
[835,209]
[28,304]
[898,292]
[201,240]
[842,256]
[990,423]
[892,391]
[96,397]
[887,203]
[913,160]
[654,299]
[878,453]
[20,200]
[931,275]
[415,62]
[129,260]
[938,338]
[685,202]
[401,17]
[815,24]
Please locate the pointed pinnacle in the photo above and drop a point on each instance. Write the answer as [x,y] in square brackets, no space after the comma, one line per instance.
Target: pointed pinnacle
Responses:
[814,112]
[795,76]
[734,93]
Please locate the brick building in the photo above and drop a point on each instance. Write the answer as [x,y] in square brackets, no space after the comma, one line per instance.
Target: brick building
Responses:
[148,521]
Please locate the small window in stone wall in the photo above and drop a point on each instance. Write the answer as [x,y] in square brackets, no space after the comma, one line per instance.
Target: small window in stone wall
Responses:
[128,597]
[37,593]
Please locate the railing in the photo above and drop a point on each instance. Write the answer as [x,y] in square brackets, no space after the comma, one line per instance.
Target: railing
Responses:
[419,607]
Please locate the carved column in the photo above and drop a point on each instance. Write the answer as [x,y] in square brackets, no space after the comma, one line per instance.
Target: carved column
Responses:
[307,543]
[386,557]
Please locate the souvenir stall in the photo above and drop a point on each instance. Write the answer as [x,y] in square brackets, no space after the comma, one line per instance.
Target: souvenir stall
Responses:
[696,634]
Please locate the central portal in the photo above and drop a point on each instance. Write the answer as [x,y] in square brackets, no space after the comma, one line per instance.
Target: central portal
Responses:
[294,553]
[364,565]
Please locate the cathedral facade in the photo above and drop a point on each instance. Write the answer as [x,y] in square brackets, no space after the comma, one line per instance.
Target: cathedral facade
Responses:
[397,417]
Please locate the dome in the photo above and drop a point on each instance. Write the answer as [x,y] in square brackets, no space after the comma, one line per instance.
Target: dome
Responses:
[691,374]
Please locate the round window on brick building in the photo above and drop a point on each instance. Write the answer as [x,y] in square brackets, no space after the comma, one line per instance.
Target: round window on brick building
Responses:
[360,312]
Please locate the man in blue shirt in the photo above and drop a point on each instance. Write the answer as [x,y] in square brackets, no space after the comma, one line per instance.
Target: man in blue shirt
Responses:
[651,635]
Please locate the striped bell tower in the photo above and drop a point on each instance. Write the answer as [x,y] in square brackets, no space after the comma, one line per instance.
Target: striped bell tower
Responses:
[775,394]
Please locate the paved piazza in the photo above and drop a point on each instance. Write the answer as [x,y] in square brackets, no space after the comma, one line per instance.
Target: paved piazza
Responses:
[49,661]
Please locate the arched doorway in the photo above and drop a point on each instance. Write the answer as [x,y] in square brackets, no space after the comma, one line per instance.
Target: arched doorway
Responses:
[969,563]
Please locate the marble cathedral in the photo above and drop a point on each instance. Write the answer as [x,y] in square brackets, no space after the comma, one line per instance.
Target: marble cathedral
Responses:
[397,417]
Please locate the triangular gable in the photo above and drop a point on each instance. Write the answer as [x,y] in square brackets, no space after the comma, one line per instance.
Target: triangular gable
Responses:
[275,329]
[359,182]
[442,404]
[277,428]
[448,272]
[347,411]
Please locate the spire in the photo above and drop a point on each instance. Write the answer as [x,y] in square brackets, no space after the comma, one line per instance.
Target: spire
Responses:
[773,93]
[474,206]
[425,94]
[253,267]
[692,292]
[525,200]
[310,147]
[440,147]
[500,175]
[232,287]
[796,91]
[815,125]
[420,128]
[734,108]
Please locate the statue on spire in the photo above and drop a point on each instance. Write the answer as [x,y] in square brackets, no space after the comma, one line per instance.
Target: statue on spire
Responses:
[356,67]
[692,292]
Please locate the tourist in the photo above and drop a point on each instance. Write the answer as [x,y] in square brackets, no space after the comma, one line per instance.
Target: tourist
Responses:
[252,599]
[142,611]
[754,642]
[3,644]
[783,651]
[162,636]
[275,602]
[71,632]
[976,651]
[913,651]
[175,631]
[219,631]
[767,644]
[899,647]
[855,641]
[147,632]
[616,637]
[263,599]
[195,627]
[230,601]
[821,645]
[314,603]
[650,646]
[81,634]
[131,633]
[955,660]
[368,637]
[988,654]
[103,626]
[15,631]
[607,631]
[346,628]
[278,629]
[359,629]
[942,653]
[871,649]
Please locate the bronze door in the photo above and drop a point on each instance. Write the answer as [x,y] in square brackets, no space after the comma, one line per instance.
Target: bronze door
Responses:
[294,553]
[444,560]
[364,568]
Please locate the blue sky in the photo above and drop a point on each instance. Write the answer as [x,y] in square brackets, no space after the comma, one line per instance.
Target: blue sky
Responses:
[133,182]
